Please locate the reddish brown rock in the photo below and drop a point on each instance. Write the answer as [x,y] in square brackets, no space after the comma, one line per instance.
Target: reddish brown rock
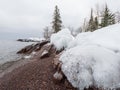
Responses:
[34,47]
[56,62]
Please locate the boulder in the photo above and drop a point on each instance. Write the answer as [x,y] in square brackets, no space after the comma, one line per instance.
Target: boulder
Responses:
[27,40]
[34,47]
[44,54]
[94,88]
[57,63]
[46,50]
[58,77]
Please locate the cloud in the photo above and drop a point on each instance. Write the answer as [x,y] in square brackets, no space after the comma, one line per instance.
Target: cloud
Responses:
[36,14]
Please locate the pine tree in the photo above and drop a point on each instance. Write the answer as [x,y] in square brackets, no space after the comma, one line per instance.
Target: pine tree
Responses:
[91,24]
[56,20]
[108,18]
[96,23]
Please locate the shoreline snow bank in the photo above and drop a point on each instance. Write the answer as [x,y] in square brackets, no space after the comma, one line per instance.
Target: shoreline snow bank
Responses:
[92,58]
[91,66]
[108,37]
[61,39]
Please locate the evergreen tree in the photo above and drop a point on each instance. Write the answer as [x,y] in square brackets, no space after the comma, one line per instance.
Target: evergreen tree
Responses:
[108,18]
[56,20]
[96,23]
[91,24]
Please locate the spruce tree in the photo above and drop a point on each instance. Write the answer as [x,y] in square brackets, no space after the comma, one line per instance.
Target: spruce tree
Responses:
[96,23]
[56,20]
[91,25]
[108,18]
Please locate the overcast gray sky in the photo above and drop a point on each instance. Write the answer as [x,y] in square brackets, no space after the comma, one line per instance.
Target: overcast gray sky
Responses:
[20,15]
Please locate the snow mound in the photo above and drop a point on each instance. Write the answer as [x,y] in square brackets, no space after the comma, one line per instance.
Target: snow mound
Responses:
[93,59]
[61,39]
[91,65]
[108,37]
[80,39]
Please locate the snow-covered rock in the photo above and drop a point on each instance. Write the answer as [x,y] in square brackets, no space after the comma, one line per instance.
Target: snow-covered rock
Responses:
[61,39]
[93,59]
[58,76]
[36,39]
[44,54]
[27,57]
[32,40]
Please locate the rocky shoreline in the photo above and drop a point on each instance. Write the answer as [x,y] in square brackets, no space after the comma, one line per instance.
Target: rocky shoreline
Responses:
[40,72]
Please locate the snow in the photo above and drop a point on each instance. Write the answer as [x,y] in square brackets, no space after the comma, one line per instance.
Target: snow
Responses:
[91,65]
[61,39]
[33,53]
[44,52]
[108,37]
[58,76]
[93,58]
[30,56]
[36,39]
[27,57]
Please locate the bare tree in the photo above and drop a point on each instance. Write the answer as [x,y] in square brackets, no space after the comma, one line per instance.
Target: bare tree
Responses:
[117,17]
[85,25]
[46,32]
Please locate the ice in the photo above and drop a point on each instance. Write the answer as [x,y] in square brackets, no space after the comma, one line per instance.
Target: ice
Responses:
[93,59]
[91,65]
[61,39]
[108,37]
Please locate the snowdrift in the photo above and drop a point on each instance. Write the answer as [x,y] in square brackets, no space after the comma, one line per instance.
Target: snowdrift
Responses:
[108,37]
[91,66]
[61,39]
[92,58]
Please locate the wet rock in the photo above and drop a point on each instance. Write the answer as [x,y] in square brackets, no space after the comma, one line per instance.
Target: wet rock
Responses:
[46,50]
[93,88]
[67,84]
[27,40]
[31,48]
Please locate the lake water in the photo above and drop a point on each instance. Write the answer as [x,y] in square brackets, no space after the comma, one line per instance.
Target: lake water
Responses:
[9,46]
[8,49]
